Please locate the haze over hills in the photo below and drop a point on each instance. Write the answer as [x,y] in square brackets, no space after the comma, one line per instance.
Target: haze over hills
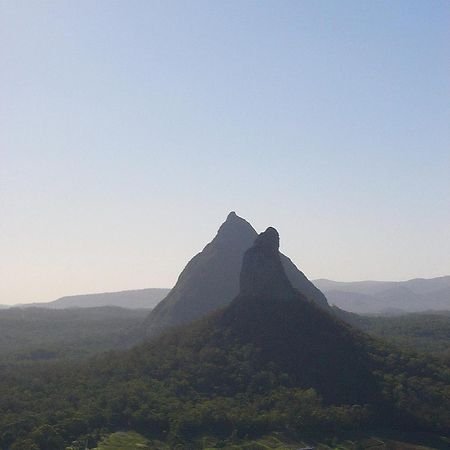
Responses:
[211,279]
[32,334]
[388,297]
[131,299]
[360,297]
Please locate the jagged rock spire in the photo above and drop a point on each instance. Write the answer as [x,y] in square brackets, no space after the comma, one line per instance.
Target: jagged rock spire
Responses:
[262,272]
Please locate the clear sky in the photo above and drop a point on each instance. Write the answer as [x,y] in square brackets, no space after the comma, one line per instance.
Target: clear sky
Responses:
[129,130]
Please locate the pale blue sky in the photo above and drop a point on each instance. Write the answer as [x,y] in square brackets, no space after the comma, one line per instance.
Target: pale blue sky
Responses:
[129,129]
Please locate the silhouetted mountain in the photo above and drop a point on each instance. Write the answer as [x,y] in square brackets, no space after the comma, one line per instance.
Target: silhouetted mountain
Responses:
[135,299]
[388,297]
[211,279]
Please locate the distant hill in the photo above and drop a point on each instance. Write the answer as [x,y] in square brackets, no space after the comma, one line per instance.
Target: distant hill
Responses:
[210,280]
[136,299]
[388,297]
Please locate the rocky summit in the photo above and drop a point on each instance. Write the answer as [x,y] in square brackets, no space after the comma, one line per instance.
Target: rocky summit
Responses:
[262,271]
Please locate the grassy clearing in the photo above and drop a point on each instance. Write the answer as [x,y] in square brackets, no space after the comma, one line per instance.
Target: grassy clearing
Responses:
[124,441]
[276,441]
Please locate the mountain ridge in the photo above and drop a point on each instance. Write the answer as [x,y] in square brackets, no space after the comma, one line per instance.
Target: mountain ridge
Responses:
[378,297]
[146,298]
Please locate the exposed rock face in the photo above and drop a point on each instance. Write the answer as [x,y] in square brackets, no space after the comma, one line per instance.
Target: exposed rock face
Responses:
[211,279]
[262,271]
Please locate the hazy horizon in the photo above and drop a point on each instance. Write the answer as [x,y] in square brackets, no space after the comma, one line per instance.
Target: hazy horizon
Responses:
[129,130]
[170,287]
[75,293]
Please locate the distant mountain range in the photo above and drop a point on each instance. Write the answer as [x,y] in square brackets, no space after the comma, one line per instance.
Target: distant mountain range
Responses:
[211,279]
[135,299]
[360,297]
[388,297]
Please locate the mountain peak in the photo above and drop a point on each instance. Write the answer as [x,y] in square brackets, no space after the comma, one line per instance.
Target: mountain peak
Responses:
[235,229]
[234,219]
[262,271]
[269,240]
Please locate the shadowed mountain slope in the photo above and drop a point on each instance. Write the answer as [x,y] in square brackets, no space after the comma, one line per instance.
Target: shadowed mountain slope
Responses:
[211,279]
[303,340]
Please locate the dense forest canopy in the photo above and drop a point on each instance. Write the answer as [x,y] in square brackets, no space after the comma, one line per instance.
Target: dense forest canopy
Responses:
[198,381]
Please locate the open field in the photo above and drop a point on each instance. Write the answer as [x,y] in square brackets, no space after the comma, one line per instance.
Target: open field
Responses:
[278,441]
